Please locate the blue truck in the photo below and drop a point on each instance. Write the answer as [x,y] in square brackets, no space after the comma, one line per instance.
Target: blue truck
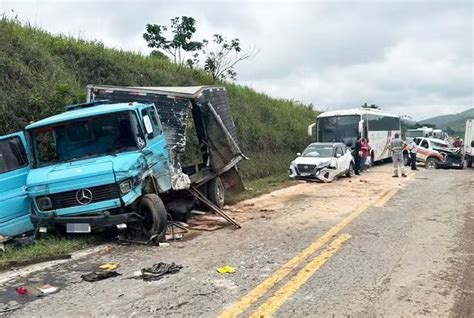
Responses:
[117,159]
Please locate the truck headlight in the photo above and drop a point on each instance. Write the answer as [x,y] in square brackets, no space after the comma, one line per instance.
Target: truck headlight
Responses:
[44,203]
[125,186]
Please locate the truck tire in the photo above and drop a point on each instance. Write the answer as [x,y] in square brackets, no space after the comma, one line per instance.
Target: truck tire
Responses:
[469,162]
[216,192]
[154,214]
[431,163]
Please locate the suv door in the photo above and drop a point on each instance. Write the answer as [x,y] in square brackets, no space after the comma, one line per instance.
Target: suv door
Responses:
[14,200]
[423,150]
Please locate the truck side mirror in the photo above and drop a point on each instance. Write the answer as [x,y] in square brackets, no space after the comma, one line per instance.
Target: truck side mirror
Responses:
[148,126]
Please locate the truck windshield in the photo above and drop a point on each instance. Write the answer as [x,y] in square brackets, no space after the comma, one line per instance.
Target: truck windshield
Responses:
[85,138]
[339,129]
[322,151]
[12,155]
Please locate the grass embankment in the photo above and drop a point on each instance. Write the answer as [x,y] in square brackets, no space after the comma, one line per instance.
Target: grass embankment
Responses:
[40,73]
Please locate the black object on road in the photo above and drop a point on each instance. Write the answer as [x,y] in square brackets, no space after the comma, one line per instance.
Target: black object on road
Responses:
[159,270]
[99,275]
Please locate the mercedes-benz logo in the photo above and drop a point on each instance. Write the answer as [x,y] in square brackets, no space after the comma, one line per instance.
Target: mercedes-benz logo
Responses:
[84,196]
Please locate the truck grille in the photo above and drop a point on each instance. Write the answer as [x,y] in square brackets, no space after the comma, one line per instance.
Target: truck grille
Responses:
[306,168]
[68,199]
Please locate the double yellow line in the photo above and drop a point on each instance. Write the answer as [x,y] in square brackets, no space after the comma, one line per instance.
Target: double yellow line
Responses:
[276,301]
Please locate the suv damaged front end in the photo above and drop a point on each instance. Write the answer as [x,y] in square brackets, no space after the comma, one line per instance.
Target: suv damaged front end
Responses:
[324,171]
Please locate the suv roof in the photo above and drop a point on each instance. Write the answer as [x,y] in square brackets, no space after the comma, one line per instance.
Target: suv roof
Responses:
[87,112]
[328,144]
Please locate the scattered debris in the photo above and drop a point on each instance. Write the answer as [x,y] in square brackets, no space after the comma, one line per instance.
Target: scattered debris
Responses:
[109,266]
[266,210]
[47,289]
[363,180]
[198,212]
[206,227]
[21,290]
[163,244]
[157,271]
[99,275]
[226,269]
[198,195]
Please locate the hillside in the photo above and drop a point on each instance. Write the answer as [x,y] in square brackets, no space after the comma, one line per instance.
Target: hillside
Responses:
[40,73]
[456,122]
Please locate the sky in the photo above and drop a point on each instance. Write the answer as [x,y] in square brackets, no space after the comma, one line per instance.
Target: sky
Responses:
[413,58]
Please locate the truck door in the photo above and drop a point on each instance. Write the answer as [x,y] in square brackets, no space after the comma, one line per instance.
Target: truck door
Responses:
[156,142]
[14,200]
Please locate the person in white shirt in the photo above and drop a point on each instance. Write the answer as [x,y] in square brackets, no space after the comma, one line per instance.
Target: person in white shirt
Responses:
[413,151]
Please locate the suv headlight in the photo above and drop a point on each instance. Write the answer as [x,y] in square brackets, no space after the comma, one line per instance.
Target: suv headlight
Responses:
[44,203]
[125,186]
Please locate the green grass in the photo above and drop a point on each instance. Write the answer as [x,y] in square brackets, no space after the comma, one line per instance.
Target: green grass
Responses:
[261,186]
[43,248]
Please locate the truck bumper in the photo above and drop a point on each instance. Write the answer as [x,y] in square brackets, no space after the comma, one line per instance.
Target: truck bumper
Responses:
[95,221]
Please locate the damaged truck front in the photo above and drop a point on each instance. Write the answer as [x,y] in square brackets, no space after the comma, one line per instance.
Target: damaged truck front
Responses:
[103,164]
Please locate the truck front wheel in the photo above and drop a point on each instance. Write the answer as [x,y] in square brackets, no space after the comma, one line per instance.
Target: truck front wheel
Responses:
[216,192]
[154,215]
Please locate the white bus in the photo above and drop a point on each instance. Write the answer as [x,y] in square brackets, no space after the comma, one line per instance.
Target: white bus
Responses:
[347,125]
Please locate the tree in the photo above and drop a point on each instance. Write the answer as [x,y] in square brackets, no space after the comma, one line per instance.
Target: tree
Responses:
[221,56]
[182,30]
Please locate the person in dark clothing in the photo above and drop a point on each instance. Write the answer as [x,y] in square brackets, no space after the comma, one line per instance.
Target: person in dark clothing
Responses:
[357,156]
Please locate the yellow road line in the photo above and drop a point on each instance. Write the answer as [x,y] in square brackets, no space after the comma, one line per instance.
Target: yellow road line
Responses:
[246,301]
[385,198]
[268,308]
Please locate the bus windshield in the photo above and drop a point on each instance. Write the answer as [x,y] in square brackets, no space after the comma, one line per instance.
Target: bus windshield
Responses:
[339,129]
[415,133]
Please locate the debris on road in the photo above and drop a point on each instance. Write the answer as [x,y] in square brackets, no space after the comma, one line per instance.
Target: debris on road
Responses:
[109,266]
[226,269]
[99,275]
[47,289]
[157,271]
[21,290]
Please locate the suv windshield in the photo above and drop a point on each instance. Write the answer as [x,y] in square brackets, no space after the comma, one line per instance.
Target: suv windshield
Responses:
[86,137]
[318,151]
[12,155]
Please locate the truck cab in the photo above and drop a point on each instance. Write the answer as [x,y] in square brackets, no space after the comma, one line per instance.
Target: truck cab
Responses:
[99,165]
[14,200]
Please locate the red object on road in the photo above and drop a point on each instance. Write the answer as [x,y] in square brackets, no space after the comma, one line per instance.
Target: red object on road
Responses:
[21,290]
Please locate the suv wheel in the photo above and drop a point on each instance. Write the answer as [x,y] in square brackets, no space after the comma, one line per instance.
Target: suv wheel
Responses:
[431,163]
[350,172]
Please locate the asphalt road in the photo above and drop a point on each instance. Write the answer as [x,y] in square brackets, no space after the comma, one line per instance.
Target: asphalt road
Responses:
[349,249]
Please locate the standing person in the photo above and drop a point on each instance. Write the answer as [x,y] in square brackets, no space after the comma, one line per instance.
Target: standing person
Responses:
[357,156]
[413,151]
[365,154]
[368,161]
[396,146]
